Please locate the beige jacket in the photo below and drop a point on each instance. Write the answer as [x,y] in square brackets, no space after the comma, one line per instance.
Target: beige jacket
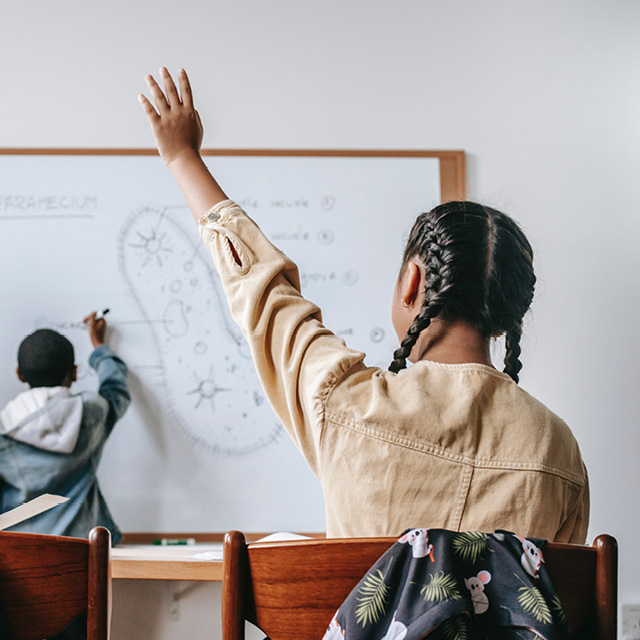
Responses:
[460,447]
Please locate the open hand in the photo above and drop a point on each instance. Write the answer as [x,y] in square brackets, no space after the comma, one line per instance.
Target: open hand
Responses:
[174,122]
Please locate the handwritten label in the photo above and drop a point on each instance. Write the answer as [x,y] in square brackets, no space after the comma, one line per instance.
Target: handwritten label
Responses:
[296,203]
[47,203]
[297,235]
[248,202]
[315,277]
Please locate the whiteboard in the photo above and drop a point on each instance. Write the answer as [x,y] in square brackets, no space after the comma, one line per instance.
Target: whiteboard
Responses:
[200,448]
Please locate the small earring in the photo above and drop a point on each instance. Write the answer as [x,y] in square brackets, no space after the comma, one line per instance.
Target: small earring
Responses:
[405,304]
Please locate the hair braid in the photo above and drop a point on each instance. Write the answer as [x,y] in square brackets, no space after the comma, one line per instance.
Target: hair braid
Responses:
[434,301]
[421,322]
[512,356]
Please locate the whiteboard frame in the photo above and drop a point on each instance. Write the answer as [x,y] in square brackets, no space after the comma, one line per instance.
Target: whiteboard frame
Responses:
[452,163]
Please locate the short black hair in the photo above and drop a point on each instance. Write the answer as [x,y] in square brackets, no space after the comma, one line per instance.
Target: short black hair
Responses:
[45,358]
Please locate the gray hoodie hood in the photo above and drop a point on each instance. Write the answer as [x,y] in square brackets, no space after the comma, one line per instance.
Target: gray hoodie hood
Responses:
[45,417]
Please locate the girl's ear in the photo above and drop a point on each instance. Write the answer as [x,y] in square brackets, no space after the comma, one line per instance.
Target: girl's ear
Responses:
[19,376]
[411,284]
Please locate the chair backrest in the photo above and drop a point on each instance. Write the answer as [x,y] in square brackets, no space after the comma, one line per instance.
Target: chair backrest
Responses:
[48,581]
[290,590]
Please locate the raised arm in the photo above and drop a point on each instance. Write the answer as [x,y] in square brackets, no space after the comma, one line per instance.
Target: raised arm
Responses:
[178,132]
[111,370]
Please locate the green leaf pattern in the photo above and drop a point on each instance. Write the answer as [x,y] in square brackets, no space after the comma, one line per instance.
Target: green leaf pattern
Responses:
[558,610]
[532,601]
[375,597]
[441,587]
[470,546]
[455,628]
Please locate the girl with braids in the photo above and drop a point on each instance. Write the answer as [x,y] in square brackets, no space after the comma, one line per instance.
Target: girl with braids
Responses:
[449,442]
[472,268]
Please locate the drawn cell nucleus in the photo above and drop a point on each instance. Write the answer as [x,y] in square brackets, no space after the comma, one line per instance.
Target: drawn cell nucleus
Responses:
[207,390]
[209,385]
[153,246]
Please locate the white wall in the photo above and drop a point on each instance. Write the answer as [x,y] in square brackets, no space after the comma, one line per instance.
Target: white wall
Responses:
[544,97]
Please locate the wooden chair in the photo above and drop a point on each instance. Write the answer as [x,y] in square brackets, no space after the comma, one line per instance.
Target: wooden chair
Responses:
[48,581]
[290,590]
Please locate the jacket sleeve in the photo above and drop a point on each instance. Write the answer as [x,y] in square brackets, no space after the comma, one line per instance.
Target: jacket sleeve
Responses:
[575,527]
[112,376]
[297,359]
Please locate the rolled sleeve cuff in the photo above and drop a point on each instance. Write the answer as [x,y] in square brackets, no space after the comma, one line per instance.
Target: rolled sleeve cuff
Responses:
[218,214]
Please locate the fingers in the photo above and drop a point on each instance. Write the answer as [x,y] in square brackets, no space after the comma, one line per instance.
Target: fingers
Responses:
[169,88]
[185,88]
[90,319]
[169,98]
[157,94]
[147,107]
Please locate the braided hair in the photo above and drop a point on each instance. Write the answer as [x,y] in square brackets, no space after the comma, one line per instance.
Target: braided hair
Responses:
[478,268]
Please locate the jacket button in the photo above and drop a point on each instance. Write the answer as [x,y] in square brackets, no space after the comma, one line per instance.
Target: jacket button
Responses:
[213,217]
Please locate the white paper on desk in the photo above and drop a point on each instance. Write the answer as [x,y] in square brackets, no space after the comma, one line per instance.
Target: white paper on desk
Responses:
[282,536]
[29,509]
[207,555]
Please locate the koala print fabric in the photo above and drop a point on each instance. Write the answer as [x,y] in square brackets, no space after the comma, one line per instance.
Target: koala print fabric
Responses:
[454,586]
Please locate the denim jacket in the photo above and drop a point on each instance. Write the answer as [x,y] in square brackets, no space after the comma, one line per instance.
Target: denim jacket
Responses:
[51,441]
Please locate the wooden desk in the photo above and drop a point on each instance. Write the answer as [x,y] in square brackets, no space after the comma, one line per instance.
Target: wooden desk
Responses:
[148,562]
[137,559]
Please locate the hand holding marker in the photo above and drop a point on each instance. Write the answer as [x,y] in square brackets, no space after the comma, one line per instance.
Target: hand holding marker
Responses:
[97,327]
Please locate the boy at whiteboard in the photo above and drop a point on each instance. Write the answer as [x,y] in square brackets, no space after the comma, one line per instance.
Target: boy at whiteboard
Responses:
[51,440]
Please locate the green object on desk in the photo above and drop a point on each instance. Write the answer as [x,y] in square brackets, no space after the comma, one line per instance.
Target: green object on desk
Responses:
[172,542]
